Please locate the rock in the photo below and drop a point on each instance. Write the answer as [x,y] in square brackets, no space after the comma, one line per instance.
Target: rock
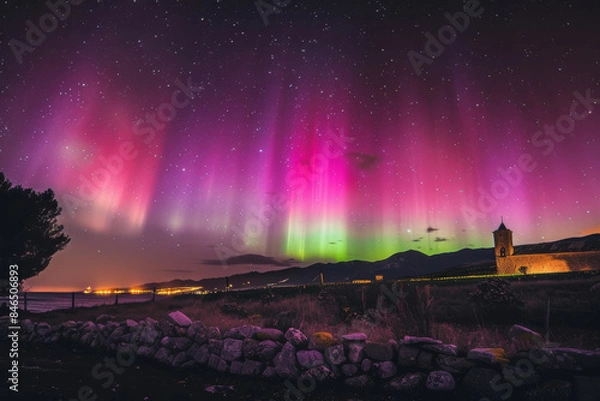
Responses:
[285,362]
[407,356]
[488,355]
[335,354]
[202,354]
[379,351]
[218,364]
[213,332]
[27,326]
[309,359]
[145,351]
[215,346]
[180,359]
[180,319]
[555,390]
[232,349]
[197,332]
[425,360]
[239,333]
[356,352]
[104,318]
[191,351]
[269,334]
[454,364]
[267,350]
[176,343]
[385,369]
[131,324]
[440,380]
[319,373]
[320,341]
[359,381]
[349,369]
[164,356]
[408,383]
[252,368]
[269,373]
[167,329]
[296,338]
[410,340]
[148,335]
[366,365]
[479,381]
[151,322]
[224,391]
[354,337]
[236,367]
[446,349]
[250,348]
[522,333]
[573,359]
[43,329]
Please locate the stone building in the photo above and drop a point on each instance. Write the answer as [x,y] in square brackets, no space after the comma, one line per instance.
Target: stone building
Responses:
[519,260]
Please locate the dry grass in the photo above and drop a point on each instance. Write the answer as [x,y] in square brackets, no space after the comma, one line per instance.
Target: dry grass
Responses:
[440,311]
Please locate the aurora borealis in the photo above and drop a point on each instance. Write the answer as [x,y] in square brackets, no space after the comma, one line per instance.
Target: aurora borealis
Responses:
[176,133]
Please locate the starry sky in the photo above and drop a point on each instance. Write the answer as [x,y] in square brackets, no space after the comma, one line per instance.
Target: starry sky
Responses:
[179,134]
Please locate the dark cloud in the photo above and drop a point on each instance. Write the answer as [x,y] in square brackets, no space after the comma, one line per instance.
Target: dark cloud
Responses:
[248,259]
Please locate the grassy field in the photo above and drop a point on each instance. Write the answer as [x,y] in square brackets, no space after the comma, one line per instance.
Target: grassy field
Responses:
[443,310]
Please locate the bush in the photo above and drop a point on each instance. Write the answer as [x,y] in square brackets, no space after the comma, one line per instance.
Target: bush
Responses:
[497,299]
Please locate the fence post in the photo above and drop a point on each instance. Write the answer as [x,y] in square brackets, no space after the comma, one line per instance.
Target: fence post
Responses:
[25,301]
[72,300]
[116,298]
[153,294]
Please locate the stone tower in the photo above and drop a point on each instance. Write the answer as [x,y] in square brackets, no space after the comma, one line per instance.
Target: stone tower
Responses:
[503,248]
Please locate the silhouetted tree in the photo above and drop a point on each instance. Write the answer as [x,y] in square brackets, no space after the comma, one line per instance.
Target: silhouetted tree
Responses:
[29,232]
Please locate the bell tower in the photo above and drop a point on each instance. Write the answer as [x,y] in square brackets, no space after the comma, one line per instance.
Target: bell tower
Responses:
[503,242]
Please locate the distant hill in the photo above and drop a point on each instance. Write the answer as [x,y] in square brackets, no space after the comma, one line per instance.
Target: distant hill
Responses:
[399,265]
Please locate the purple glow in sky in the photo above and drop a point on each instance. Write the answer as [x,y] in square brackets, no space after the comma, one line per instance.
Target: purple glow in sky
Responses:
[170,131]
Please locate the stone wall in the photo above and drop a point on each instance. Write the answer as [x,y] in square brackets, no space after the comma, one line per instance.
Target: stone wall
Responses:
[415,367]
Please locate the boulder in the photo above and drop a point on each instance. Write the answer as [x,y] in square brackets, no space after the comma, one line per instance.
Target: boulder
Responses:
[425,360]
[163,355]
[356,352]
[320,341]
[310,359]
[202,354]
[385,369]
[446,349]
[148,335]
[354,337]
[335,355]
[197,332]
[359,381]
[454,364]
[215,346]
[440,380]
[366,365]
[522,333]
[176,343]
[285,362]
[145,351]
[252,368]
[349,369]
[104,318]
[487,355]
[319,373]
[269,334]
[250,348]
[379,351]
[239,333]
[180,359]
[407,356]
[236,367]
[408,383]
[267,350]
[180,319]
[269,373]
[479,381]
[216,363]
[213,332]
[296,337]
[232,349]
[411,340]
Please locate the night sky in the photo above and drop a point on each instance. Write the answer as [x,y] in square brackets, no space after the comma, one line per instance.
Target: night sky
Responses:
[176,134]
